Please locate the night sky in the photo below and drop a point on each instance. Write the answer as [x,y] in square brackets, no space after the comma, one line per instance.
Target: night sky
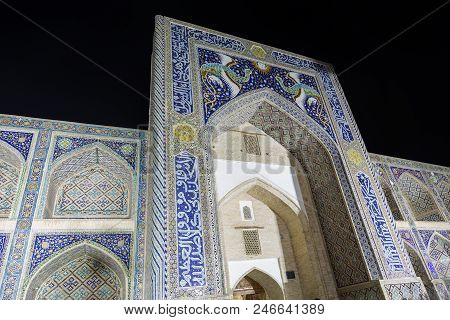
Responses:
[397,95]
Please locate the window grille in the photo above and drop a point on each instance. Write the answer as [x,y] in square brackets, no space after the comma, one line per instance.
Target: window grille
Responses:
[252,144]
[251,242]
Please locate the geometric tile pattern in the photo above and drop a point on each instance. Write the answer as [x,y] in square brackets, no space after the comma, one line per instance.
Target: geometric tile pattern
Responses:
[94,192]
[443,190]
[405,291]
[439,252]
[191,261]
[46,245]
[420,199]
[370,293]
[225,77]
[9,177]
[341,242]
[81,279]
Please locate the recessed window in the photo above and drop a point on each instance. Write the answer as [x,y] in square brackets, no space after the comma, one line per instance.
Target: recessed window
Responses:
[290,275]
[251,242]
[252,144]
[246,210]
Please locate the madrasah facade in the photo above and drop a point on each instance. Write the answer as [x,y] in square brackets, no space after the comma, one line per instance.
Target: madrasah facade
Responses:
[253,182]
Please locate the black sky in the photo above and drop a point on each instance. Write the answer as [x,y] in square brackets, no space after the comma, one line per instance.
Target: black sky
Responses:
[398,95]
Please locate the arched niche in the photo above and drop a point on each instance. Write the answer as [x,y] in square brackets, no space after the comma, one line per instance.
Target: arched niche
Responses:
[419,198]
[74,167]
[11,170]
[304,241]
[312,147]
[272,288]
[85,249]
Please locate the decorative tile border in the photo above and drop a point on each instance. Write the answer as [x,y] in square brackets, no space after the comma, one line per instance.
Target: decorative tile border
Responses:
[191,260]
[383,232]
[4,237]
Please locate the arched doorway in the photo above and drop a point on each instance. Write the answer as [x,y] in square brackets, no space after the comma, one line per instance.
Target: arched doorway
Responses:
[257,285]
[328,207]
[249,289]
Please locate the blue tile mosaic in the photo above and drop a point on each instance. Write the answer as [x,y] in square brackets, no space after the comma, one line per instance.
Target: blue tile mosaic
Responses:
[21,141]
[225,77]
[46,245]
[182,89]
[390,251]
[191,262]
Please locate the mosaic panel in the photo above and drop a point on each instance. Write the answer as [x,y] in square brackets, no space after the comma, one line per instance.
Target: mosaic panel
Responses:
[405,291]
[191,261]
[125,149]
[369,293]
[46,245]
[390,251]
[182,88]
[225,77]
[439,252]
[443,190]
[9,179]
[329,89]
[21,141]
[82,279]
[94,192]
[397,172]
[3,243]
[407,236]
[420,199]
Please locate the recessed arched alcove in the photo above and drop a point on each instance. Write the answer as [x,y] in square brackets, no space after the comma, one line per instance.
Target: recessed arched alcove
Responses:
[90,182]
[419,198]
[86,268]
[314,156]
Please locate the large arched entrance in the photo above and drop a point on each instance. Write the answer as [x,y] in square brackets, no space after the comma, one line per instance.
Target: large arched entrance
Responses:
[321,200]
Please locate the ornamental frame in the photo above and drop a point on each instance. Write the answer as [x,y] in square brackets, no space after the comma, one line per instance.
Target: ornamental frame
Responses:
[167,114]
